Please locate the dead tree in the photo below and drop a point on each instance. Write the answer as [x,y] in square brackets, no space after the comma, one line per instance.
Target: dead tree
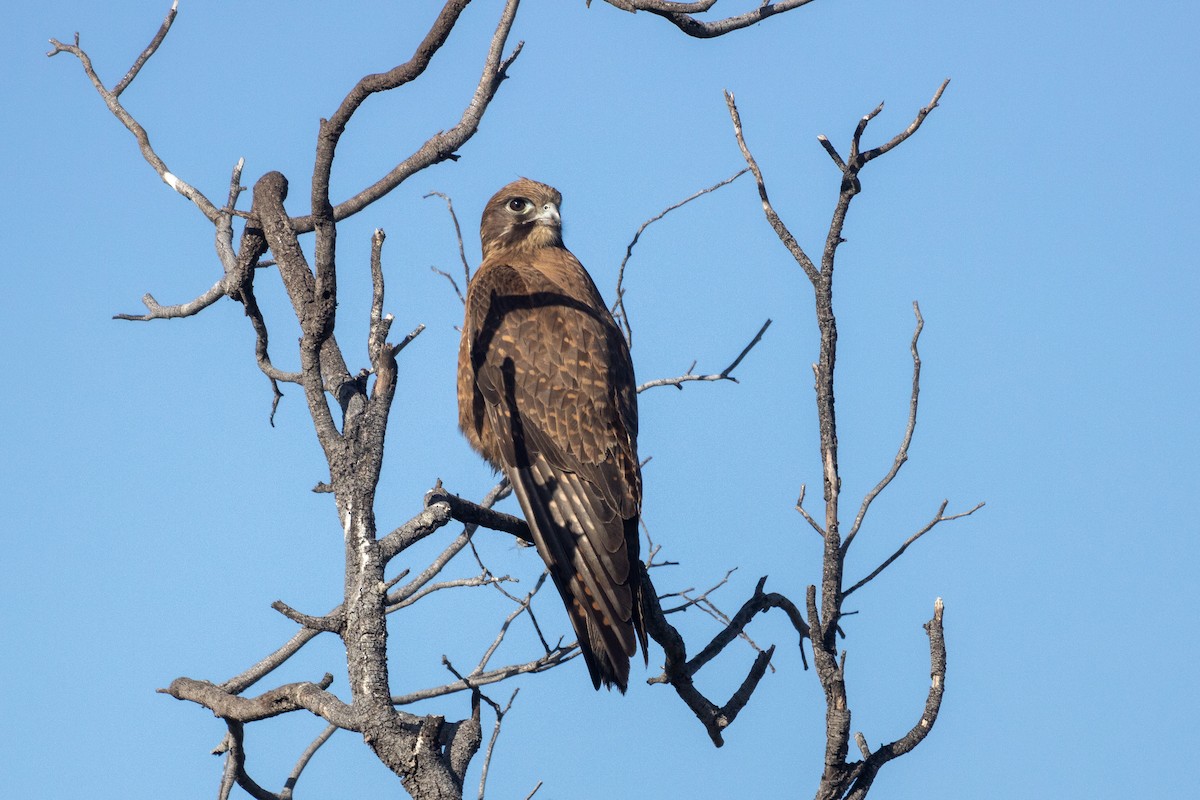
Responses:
[349,411]
[841,778]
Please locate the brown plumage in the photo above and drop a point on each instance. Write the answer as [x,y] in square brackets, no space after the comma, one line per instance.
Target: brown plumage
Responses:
[546,393]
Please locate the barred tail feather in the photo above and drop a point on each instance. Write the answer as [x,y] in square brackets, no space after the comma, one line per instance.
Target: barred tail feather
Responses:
[591,553]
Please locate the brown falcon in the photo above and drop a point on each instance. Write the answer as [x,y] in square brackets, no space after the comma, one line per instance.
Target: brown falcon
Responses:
[546,393]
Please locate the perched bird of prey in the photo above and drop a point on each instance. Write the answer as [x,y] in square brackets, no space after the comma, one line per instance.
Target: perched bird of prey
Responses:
[546,393]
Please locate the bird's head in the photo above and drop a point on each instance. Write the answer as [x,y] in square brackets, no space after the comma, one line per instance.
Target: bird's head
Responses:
[522,215]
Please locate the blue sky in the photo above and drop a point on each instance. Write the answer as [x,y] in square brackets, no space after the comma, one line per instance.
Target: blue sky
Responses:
[1043,217]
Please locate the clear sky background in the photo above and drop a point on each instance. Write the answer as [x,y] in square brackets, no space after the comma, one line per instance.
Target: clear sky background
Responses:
[1044,217]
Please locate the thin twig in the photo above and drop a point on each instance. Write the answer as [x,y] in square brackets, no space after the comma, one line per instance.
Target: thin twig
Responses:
[937,518]
[618,307]
[456,583]
[240,683]
[305,757]
[453,283]
[723,375]
[487,757]
[554,658]
[462,253]
[417,528]
[229,771]
[523,606]
[210,211]
[902,453]
[781,230]
[808,517]
[911,129]
[684,593]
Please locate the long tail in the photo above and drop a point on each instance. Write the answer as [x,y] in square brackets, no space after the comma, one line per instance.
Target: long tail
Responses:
[591,552]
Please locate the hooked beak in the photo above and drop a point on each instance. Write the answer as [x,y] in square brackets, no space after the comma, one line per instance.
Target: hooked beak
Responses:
[548,215]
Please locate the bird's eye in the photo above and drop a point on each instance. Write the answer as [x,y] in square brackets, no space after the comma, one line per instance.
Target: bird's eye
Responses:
[518,204]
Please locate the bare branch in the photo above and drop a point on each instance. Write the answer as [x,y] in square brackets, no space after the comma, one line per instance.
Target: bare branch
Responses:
[633,6]
[781,230]
[464,744]
[302,762]
[861,741]
[487,758]
[132,125]
[902,453]
[910,130]
[235,766]
[859,130]
[284,699]
[456,583]
[482,515]
[380,324]
[854,164]
[555,657]
[691,601]
[413,531]
[439,147]
[235,270]
[723,375]
[678,671]
[434,568]
[462,253]
[331,130]
[414,333]
[937,685]
[679,14]
[188,309]
[334,622]
[526,607]
[706,605]
[149,51]
[866,771]
[235,191]
[320,358]
[239,285]
[832,679]
[229,773]
[522,607]
[938,517]
[808,517]
[760,601]
[831,150]
[395,541]
[453,283]
[825,624]
[618,307]
[242,682]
